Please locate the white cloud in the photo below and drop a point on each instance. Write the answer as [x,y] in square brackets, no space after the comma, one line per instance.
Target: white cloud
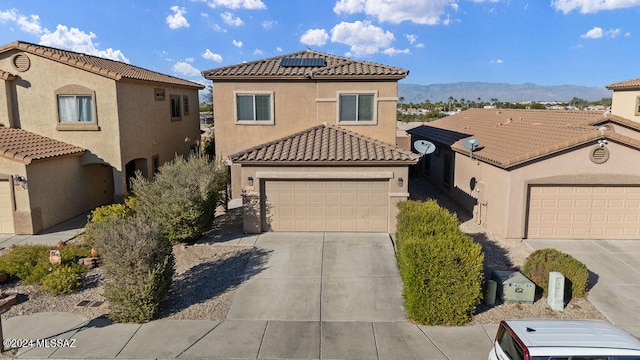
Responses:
[393,51]
[397,11]
[497,61]
[411,38]
[592,6]
[184,68]
[238,4]
[269,24]
[598,33]
[258,52]
[177,20]
[208,54]
[362,37]
[237,43]
[228,19]
[279,49]
[29,24]
[76,40]
[316,37]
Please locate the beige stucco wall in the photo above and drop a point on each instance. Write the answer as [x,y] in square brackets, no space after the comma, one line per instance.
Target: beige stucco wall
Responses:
[146,128]
[624,103]
[506,191]
[298,105]
[252,214]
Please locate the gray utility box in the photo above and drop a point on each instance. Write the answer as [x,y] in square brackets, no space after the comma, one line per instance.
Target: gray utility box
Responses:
[513,287]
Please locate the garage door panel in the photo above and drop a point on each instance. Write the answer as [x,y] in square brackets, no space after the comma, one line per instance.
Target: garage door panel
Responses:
[326,205]
[584,212]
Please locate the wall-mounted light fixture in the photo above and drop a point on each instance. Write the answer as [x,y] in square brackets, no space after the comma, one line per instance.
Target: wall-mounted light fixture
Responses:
[250,180]
[400,182]
[19,180]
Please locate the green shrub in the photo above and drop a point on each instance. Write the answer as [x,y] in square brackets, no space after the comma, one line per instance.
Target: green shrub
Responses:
[138,263]
[440,266]
[30,263]
[183,197]
[63,279]
[104,214]
[541,262]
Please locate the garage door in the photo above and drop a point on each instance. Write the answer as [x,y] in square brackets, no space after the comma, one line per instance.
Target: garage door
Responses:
[584,212]
[325,205]
[6,208]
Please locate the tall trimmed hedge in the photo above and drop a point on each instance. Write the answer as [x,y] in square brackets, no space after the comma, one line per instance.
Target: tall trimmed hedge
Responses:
[440,266]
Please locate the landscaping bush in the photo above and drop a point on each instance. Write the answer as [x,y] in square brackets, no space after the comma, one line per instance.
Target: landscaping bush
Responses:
[138,264]
[440,266]
[30,263]
[183,197]
[541,262]
[63,279]
[103,214]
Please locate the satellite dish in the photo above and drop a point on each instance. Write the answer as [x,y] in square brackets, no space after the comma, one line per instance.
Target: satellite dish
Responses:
[424,147]
[471,144]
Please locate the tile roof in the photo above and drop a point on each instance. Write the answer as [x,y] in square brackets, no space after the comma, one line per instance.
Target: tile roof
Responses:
[625,85]
[110,68]
[509,137]
[337,67]
[25,146]
[5,75]
[325,144]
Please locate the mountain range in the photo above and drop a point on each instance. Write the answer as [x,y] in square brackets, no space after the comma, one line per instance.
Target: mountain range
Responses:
[471,91]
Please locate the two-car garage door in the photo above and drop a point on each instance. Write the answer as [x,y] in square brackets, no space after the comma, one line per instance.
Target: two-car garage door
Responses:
[325,205]
[584,212]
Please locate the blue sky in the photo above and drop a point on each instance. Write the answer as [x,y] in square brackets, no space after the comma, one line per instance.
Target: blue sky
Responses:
[548,42]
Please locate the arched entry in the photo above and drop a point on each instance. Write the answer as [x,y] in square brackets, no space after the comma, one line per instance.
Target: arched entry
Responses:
[132,167]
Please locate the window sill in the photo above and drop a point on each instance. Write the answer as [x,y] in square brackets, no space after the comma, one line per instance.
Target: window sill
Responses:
[175,119]
[77,126]
[251,122]
[357,123]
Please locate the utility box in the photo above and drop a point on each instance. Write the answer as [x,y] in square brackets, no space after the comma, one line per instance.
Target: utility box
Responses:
[514,287]
[555,293]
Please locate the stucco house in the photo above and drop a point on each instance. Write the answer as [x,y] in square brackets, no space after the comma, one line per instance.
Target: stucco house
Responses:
[310,141]
[547,174]
[75,127]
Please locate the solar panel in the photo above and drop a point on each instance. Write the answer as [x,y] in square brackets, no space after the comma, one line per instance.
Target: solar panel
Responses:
[304,62]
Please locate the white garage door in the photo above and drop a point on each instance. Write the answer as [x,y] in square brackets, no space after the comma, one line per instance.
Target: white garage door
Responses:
[584,212]
[6,208]
[325,205]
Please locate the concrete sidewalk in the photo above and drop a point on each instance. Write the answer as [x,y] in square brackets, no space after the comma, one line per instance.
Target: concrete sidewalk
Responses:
[61,232]
[68,336]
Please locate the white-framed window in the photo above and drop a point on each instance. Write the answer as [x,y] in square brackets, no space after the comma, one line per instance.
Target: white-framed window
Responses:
[174,102]
[76,108]
[254,107]
[357,108]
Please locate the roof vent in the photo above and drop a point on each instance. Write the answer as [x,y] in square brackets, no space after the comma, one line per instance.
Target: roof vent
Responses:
[21,62]
[599,154]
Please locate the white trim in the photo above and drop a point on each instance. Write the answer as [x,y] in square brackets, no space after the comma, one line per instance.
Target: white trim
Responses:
[326,99]
[330,175]
[402,195]
[389,98]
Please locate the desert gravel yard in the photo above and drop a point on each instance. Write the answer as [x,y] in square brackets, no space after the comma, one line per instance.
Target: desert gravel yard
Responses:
[209,272]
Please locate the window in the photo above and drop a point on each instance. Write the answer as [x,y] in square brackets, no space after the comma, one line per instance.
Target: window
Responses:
[159,94]
[254,108]
[357,108]
[185,104]
[76,108]
[638,106]
[175,107]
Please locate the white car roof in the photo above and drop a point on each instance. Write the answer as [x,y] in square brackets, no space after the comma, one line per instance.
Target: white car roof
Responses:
[572,333]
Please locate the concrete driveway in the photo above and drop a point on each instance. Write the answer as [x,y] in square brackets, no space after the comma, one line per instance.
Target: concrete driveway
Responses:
[614,278]
[321,277]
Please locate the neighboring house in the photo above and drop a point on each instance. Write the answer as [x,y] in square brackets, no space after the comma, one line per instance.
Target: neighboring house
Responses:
[75,127]
[543,173]
[310,141]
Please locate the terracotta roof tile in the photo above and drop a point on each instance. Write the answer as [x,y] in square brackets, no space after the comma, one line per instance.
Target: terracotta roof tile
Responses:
[105,67]
[325,144]
[5,75]
[25,146]
[509,137]
[337,67]
[623,85]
